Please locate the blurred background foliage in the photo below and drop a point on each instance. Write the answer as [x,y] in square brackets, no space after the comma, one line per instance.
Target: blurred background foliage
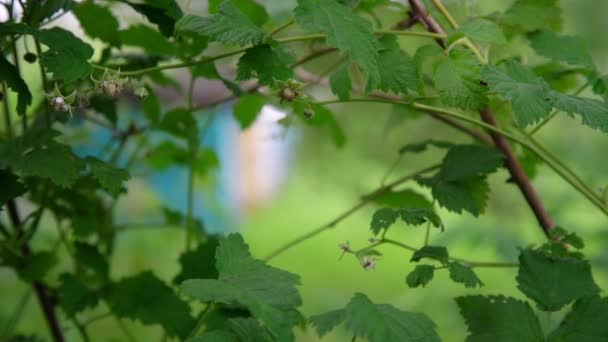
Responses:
[307,181]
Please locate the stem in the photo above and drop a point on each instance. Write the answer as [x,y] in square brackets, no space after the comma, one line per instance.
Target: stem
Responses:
[445,13]
[282,27]
[427,233]
[495,131]
[190,199]
[201,319]
[45,83]
[16,316]
[7,112]
[124,329]
[46,302]
[82,330]
[18,66]
[364,200]
[466,262]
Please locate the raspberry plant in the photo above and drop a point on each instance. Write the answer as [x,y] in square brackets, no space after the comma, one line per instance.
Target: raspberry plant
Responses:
[460,77]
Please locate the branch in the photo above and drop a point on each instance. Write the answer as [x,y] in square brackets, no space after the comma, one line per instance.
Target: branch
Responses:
[46,302]
[515,169]
[364,200]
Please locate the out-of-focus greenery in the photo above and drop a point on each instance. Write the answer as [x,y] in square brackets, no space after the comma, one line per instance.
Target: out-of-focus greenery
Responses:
[324,181]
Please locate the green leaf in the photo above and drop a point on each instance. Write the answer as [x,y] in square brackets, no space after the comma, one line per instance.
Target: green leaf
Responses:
[215,336]
[36,12]
[458,80]
[594,113]
[10,75]
[499,318]
[345,31]
[438,253]
[11,187]
[180,123]
[383,219]
[163,13]
[468,161]
[554,282]
[249,329]
[460,273]
[146,298]
[151,107]
[35,266]
[340,82]
[397,68]
[68,56]
[323,117]
[563,236]
[532,15]
[198,263]
[268,293]
[420,276]
[469,194]
[402,199]
[527,93]
[570,49]
[378,322]
[97,21]
[422,146]
[91,262]
[419,216]
[32,153]
[422,55]
[148,39]
[247,108]
[106,106]
[483,31]
[265,62]
[229,26]
[250,8]
[110,177]
[586,321]
[75,296]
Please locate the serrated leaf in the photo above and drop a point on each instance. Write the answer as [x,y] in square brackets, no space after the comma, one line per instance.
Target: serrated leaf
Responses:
[146,298]
[502,319]
[420,276]
[10,75]
[377,322]
[249,329]
[163,13]
[180,123]
[594,113]
[266,63]
[468,161]
[402,198]
[345,31]
[111,178]
[148,39]
[35,266]
[438,253]
[554,282]
[418,216]
[32,153]
[460,273]
[68,56]
[397,68]
[482,30]
[93,265]
[327,321]
[97,21]
[229,26]
[340,82]
[36,12]
[527,93]
[197,263]
[383,219]
[531,15]
[469,195]
[458,80]
[385,323]
[422,146]
[563,236]
[75,296]
[422,55]
[215,336]
[269,293]
[586,321]
[11,187]
[569,49]
[247,108]
[250,8]
[151,107]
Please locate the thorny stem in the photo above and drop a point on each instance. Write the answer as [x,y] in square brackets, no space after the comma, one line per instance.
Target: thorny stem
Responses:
[513,164]
[364,201]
